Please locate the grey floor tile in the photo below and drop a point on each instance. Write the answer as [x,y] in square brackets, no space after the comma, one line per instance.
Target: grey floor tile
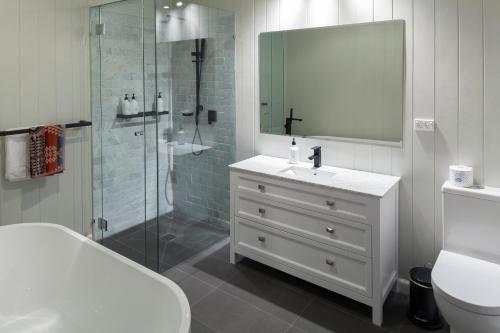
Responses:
[211,270]
[197,327]
[294,329]
[395,312]
[175,274]
[268,294]
[195,289]
[225,313]
[357,309]
[124,251]
[410,328]
[321,317]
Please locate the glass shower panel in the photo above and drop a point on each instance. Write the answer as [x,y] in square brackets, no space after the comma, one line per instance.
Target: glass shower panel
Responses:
[195,62]
[119,145]
[95,68]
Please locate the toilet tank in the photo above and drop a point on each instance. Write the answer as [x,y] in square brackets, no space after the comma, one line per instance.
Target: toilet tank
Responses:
[471,221]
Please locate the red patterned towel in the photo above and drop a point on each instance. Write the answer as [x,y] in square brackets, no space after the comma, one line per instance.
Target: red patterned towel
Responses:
[46,150]
[54,149]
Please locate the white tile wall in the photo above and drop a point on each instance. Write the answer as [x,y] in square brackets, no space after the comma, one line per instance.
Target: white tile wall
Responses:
[45,79]
[452,75]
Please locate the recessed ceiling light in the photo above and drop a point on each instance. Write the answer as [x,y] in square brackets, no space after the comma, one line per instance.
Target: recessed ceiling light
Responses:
[179,3]
[166,7]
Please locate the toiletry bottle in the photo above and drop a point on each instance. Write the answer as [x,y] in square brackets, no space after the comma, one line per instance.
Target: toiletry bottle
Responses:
[134,106]
[294,153]
[159,103]
[126,105]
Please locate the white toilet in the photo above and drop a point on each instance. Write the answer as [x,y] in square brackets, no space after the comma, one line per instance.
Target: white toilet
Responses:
[466,276]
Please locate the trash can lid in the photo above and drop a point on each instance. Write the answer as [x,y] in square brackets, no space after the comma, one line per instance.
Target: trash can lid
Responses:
[421,276]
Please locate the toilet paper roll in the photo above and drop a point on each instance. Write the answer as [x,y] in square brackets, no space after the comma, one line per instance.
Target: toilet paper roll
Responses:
[461,175]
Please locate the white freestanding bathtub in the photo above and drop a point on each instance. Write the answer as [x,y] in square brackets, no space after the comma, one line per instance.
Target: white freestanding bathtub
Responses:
[55,280]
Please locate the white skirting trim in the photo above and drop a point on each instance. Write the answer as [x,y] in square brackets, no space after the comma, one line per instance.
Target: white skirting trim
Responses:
[402,286]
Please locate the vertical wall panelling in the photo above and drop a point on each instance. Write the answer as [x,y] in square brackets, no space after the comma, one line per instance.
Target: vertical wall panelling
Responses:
[245,99]
[403,164]
[492,92]
[355,11]
[260,25]
[29,93]
[382,10]
[272,15]
[423,142]
[10,195]
[45,80]
[47,99]
[64,79]
[323,12]
[446,114]
[471,115]
[293,14]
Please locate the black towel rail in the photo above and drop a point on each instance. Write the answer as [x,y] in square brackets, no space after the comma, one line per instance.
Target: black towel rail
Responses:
[81,123]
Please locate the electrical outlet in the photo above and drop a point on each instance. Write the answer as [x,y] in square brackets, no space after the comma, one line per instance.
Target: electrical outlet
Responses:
[423,125]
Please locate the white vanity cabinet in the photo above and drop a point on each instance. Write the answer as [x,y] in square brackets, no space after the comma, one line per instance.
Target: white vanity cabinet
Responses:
[340,233]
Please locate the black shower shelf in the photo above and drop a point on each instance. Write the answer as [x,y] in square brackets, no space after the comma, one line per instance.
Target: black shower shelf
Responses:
[141,114]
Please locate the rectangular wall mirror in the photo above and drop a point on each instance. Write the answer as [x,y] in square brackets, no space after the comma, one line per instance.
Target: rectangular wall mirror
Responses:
[339,82]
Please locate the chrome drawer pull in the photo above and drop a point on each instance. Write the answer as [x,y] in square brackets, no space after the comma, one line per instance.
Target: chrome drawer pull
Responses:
[262,211]
[261,187]
[330,203]
[262,239]
[330,230]
[330,262]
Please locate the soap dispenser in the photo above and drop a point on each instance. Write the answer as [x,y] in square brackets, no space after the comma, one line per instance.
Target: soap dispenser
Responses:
[159,103]
[134,106]
[125,107]
[294,153]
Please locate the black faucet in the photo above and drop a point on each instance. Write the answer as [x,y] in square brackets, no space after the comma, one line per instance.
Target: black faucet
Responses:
[316,156]
[288,122]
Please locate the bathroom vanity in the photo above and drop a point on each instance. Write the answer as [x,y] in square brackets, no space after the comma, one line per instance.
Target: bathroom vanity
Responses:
[334,227]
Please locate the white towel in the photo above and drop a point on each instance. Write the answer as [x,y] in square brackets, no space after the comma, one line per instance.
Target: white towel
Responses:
[17,158]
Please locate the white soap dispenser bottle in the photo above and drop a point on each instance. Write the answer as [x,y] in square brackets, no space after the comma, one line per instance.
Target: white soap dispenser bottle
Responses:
[159,103]
[125,106]
[294,153]
[134,106]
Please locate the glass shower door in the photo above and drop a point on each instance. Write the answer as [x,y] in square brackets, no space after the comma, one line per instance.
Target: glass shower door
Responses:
[122,168]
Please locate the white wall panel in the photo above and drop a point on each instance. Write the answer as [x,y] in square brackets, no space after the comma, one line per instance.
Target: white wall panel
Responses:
[355,11]
[245,49]
[293,14]
[492,92]
[323,12]
[446,115]
[382,10]
[423,142]
[402,159]
[471,116]
[44,61]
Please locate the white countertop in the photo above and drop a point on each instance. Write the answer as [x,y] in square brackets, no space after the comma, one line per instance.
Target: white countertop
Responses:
[361,182]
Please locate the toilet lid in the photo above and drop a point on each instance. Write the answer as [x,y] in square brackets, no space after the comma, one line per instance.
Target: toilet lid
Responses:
[469,283]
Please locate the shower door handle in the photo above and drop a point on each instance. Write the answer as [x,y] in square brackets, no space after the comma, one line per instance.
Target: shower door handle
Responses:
[139,133]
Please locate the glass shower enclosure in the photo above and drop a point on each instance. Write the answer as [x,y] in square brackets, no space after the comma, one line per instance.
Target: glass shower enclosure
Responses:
[163,109]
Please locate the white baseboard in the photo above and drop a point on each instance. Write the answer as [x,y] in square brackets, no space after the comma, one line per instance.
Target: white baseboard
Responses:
[402,286]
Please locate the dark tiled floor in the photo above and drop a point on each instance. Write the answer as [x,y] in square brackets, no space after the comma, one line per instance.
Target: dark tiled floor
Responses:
[179,238]
[251,297]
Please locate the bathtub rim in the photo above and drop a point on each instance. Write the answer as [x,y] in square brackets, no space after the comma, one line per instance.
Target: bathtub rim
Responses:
[179,294]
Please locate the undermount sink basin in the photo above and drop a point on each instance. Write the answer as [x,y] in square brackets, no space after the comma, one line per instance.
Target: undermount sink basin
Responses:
[308,173]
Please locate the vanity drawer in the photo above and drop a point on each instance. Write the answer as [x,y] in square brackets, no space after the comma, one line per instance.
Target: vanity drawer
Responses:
[327,201]
[339,267]
[347,235]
